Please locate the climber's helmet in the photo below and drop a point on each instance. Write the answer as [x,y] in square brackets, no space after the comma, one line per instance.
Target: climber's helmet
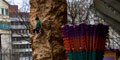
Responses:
[36,18]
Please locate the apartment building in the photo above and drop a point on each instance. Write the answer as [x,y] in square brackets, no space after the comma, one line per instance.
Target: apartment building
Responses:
[20,28]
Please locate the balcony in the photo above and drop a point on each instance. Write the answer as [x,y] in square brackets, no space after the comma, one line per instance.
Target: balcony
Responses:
[19,19]
[18,27]
[20,35]
[23,50]
[22,42]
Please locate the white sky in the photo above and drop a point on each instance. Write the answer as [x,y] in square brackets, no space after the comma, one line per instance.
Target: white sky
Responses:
[15,2]
[21,4]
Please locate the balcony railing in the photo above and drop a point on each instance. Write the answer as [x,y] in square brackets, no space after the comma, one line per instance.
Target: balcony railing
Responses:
[18,27]
[4,26]
[23,50]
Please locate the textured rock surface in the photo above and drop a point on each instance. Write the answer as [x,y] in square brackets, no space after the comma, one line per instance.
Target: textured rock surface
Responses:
[53,14]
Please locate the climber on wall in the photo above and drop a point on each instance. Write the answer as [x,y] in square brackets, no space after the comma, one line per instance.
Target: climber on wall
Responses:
[38,26]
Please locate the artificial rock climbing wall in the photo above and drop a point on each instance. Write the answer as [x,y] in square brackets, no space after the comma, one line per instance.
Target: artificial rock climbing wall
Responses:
[53,14]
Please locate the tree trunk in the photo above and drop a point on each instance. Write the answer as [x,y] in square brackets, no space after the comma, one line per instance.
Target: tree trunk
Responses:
[53,14]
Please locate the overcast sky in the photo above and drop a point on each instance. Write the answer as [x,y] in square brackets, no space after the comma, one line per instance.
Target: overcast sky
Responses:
[22,4]
[19,2]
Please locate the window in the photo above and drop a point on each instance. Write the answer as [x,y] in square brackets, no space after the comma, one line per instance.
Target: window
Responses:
[19,31]
[15,23]
[24,31]
[15,31]
[2,11]
[7,12]
[15,39]
[18,39]
[25,58]
[28,31]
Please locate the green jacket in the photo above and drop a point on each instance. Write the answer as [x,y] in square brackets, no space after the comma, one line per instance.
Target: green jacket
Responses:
[38,23]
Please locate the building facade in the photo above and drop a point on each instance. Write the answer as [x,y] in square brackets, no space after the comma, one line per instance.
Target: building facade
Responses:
[20,28]
[5,31]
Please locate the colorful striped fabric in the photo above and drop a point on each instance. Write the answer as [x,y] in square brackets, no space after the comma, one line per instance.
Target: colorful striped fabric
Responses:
[85,41]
